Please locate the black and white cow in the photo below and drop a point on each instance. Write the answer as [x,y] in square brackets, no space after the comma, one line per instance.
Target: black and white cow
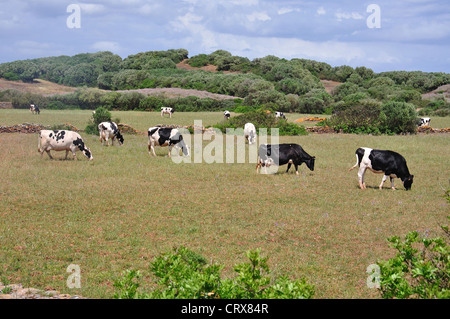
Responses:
[109,130]
[62,140]
[226,115]
[34,109]
[166,136]
[250,133]
[280,115]
[167,110]
[425,121]
[390,163]
[281,154]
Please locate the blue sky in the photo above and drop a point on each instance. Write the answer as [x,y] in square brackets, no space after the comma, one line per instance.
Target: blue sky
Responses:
[411,35]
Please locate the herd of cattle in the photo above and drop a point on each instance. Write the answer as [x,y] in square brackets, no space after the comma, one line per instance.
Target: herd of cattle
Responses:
[389,163]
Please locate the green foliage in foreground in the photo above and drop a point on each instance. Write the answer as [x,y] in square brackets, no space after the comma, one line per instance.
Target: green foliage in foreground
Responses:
[261,119]
[183,274]
[421,268]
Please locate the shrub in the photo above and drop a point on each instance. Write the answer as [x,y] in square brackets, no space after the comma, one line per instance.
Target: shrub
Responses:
[400,117]
[101,115]
[421,268]
[262,119]
[184,274]
[357,117]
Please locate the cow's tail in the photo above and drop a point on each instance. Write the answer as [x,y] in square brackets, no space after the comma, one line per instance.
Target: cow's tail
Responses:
[358,159]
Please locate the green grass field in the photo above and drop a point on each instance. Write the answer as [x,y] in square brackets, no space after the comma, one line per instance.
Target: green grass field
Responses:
[122,209]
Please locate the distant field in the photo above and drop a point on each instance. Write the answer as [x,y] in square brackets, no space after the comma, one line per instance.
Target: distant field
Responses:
[122,209]
[143,120]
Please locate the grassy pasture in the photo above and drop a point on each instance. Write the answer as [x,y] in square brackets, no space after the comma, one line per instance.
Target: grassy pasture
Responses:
[123,208]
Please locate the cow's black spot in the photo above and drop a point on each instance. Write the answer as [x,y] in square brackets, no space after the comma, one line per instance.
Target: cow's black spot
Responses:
[150,133]
[60,135]
[79,143]
[50,135]
[164,135]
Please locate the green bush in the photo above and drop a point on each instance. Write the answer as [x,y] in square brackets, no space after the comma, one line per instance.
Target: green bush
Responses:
[262,119]
[400,117]
[420,269]
[183,274]
[101,115]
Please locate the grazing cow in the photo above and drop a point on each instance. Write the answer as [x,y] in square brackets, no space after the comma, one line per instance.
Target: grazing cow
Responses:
[34,109]
[62,140]
[281,154]
[109,130]
[226,115]
[167,110]
[166,136]
[390,163]
[425,121]
[250,133]
[280,115]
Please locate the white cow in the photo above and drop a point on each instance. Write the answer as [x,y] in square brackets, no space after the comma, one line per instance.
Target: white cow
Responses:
[62,140]
[167,110]
[166,136]
[425,121]
[280,115]
[250,133]
[34,109]
[226,115]
[109,130]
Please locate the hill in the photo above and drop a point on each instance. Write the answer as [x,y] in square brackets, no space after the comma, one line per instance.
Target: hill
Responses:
[296,85]
[38,86]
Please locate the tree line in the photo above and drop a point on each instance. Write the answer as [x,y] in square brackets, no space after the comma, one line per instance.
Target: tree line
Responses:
[269,82]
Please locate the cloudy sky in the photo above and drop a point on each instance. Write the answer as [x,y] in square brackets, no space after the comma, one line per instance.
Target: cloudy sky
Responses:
[383,35]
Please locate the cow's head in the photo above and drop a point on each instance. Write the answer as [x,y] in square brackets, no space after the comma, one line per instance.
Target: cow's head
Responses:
[407,182]
[85,150]
[185,150]
[119,138]
[310,162]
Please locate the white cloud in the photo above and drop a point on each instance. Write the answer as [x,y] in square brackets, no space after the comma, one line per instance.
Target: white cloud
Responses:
[246,3]
[191,23]
[287,10]
[321,11]
[106,46]
[91,8]
[346,15]
[258,16]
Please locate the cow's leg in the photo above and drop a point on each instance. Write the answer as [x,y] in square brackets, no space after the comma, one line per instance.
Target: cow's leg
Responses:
[67,153]
[392,183]
[296,169]
[288,167]
[151,149]
[258,165]
[361,173]
[49,155]
[170,151]
[382,181]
